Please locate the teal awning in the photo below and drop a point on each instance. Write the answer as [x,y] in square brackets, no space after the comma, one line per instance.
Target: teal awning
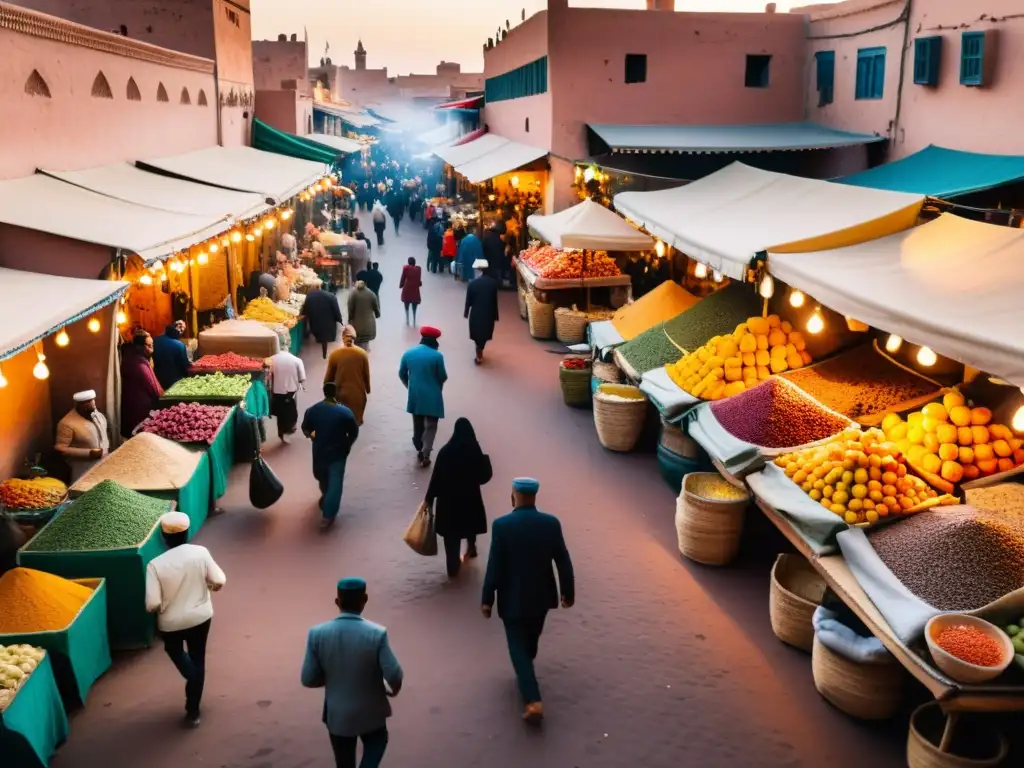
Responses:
[270,139]
[943,173]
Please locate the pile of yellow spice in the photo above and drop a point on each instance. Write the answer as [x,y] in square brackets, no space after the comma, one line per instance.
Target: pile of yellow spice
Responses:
[35,601]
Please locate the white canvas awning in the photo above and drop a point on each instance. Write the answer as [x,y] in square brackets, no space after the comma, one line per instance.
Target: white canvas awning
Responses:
[443,135]
[130,183]
[274,176]
[50,205]
[340,143]
[508,157]
[589,225]
[953,285]
[35,305]
[725,219]
[471,150]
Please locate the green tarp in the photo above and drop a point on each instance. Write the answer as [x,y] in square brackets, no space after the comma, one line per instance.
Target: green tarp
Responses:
[35,723]
[257,401]
[943,173]
[193,498]
[222,456]
[298,332]
[272,140]
[80,653]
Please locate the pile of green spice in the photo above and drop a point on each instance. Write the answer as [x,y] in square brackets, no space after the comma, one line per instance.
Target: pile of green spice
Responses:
[106,517]
[718,314]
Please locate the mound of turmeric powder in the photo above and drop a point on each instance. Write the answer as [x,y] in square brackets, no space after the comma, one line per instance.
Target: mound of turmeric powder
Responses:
[35,601]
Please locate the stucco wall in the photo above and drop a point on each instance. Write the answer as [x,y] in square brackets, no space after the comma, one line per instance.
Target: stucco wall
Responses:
[50,254]
[275,62]
[282,110]
[233,44]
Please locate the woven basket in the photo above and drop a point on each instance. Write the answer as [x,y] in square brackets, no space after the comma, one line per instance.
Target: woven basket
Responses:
[541,318]
[865,691]
[608,372]
[796,590]
[618,423]
[708,530]
[674,440]
[927,725]
[575,386]
[522,303]
[570,325]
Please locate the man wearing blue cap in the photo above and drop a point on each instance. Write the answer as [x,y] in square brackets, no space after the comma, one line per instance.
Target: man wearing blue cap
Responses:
[351,659]
[524,544]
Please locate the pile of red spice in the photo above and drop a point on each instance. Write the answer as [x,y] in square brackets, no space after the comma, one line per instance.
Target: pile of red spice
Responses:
[229,362]
[971,645]
[575,364]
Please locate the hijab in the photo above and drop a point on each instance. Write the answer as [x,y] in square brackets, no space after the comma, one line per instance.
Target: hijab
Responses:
[463,447]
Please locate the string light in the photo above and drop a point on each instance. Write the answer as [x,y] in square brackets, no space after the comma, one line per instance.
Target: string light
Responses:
[796,299]
[225,243]
[717,276]
[40,371]
[236,236]
[258,231]
[926,357]
[122,318]
[3,379]
[816,323]
[700,271]
[659,248]
[269,223]
[93,325]
[214,247]
[145,280]
[202,258]
[767,287]
[286,214]
[893,343]
[62,339]
[250,238]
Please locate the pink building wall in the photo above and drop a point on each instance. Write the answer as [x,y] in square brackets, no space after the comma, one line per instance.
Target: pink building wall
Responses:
[232,29]
[276,62]
[285,110]
[71,128]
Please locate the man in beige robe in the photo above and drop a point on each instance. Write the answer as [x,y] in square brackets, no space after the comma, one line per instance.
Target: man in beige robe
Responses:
[82,435]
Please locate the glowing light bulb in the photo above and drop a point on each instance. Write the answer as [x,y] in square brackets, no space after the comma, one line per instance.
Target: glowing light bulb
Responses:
[286,214]
[62,339]
[767,287]
[815,323]
[926,357]
[258,231]
[700,271]
[1017,424]
[163,277]
[250,238]
[270,223]
[225,243]
[893,343]
[122,318]
[40,371]
[93,325]
[202,258]
[145,280]
[717,276]
[236,236]
[515,181]
[3,379]
[589,174]
[659,249]
[214,247]
[797,299]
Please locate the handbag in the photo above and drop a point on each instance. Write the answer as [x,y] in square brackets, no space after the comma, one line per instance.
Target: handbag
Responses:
[420,535]
[264,487]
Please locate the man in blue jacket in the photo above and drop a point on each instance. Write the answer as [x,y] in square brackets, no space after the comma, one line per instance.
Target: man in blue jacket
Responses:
[423,374]
[524,544]
[333,429]
[170,358]
[351,659]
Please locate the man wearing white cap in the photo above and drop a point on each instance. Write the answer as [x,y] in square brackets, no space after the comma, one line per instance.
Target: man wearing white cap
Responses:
[82,436]
[178,587]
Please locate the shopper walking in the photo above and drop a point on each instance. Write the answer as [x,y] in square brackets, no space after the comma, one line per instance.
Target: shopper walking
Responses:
[470,251]
[178,587]
[449,250]
[396,208]
[524,544]
[287,375]
[349,368]
[139,386]
[423,373]
[333,429]
[454,490]
[410,282]
[363,311]
[435,241]
[494,252]
[372,277]
[351,659]
[482,311]
[380,222]
[323,316]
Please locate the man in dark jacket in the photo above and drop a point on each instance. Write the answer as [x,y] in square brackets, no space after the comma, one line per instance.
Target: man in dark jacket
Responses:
[482,311]
[323,315]
[435,239]
[170,358]
[494,252]
[333,429]
[372,277]
[524,544]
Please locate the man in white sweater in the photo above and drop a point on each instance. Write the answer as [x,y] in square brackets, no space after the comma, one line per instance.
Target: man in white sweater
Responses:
[178,587]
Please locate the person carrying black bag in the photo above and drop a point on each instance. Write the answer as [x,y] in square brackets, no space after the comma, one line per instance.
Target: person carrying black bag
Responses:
[461,468]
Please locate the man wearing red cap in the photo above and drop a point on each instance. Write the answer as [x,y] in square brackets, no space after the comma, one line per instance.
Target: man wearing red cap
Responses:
[423,374]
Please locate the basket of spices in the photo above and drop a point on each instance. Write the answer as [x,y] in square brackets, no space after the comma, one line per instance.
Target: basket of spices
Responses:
[541,317]
[709,518]
[796,590]
[574,378]
[619,414]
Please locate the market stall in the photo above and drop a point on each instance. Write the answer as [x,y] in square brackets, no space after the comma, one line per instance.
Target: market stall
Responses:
[244,389]
[32,718]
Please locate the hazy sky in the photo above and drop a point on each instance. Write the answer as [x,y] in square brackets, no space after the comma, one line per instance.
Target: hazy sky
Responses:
[414,35]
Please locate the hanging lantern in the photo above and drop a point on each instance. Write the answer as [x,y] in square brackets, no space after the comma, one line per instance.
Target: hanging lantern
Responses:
[40,371]
[767,287]
[926,357]
[214,247]
[659,248]
[122,318]
[202,258]
[816,323]
[796,299]
[145,280]
[893,343]
[62,339]
[3,379]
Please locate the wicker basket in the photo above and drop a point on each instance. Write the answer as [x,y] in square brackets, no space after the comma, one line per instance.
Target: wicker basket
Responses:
[674,440]
[522,303]
[607,372]
[619,423]
[927,726]
[570,325]
[575,385]
[865,691]
[708,530]
[796,590]
[541,318]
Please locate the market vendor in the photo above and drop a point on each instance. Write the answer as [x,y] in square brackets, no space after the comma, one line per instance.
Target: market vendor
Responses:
[140,389]
[82,436]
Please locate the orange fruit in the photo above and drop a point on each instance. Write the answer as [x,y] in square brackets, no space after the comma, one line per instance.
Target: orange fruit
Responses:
[1005,465]
[971,472]
[980,434]
[1002,449]
[965,455]
[952,471]
[980,417]
[964,436]
[960,416]
[949,452]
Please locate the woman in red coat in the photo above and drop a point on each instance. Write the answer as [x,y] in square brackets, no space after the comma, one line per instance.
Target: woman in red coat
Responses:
[448,250]
[412,279]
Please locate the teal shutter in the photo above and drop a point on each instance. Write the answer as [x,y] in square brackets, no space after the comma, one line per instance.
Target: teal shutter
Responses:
[870,73]
[527,80]
[927,59]
[825,62]
[972,58]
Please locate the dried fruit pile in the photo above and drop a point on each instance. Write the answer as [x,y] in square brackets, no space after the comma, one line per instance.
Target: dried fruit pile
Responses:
[556,264]
[229,362]
[187,422]
[955,558]
[146,462]
[264,310]
[35,601]
[38,493]
[210,385]
[107,517]
[859,477]
[775,414]
[860,383]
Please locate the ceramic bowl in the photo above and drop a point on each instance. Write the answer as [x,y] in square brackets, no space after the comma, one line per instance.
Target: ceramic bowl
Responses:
[959,670]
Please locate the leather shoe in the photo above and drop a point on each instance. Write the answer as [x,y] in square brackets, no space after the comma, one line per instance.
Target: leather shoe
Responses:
[533,713]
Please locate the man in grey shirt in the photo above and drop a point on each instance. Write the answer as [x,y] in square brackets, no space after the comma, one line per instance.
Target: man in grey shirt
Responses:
[351,659]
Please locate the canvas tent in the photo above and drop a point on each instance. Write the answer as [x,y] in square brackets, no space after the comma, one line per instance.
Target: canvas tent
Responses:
[953,285]
[488,156]
[589,225]
[725,219]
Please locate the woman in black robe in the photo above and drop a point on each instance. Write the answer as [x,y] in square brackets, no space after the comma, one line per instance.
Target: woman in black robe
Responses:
[459,471]
[323,316]
[482,311]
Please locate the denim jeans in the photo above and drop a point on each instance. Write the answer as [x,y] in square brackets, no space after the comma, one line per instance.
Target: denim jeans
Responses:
[191,663]
[374,745]
[332,483]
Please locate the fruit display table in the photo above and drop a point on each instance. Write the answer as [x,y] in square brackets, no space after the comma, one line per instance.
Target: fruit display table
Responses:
[35,723]
[536,282]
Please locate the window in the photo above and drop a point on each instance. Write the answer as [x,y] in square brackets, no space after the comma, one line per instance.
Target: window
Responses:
[825,64]
[758,67]
[972,58]
[528,80]
[636,68]
[927,57]
[870,73]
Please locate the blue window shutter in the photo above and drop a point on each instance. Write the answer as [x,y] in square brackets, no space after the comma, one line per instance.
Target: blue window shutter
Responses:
[927,60]
[826,72]
[972,58]
[870,73]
